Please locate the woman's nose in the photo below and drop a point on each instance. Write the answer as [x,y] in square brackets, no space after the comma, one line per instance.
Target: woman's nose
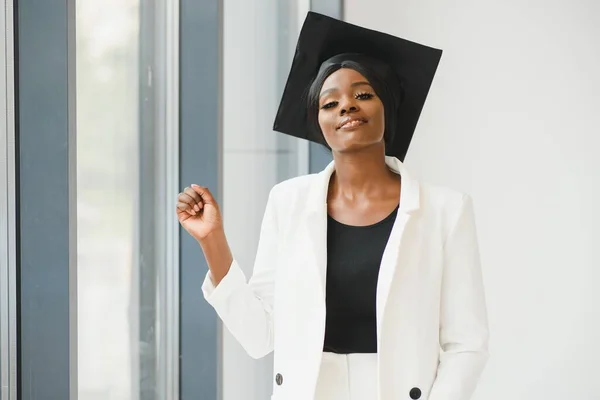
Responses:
[348,108]
[348,103]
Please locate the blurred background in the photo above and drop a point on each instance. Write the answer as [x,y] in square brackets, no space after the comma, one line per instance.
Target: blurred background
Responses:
[109,308]
[111,107]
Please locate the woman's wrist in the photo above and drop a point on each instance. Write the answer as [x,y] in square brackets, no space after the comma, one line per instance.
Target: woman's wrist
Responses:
[218,235]
[217,253]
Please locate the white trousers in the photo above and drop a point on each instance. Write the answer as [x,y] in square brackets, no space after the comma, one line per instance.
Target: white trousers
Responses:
[347,377]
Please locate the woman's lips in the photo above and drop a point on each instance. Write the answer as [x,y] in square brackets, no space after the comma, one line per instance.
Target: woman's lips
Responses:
[352,123]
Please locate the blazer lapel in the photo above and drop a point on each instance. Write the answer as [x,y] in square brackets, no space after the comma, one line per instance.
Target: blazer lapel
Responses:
[315,224]
[409,203]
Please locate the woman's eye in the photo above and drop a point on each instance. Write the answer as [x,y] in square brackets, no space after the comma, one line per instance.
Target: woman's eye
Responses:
[364,96]
[329,105]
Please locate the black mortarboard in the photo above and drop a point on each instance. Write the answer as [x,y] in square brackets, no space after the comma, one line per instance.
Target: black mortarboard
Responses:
[324,40]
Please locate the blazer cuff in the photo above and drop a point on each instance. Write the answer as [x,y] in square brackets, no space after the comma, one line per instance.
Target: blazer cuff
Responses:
[234,279]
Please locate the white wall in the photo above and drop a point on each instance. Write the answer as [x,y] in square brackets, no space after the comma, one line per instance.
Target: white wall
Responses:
[514,119]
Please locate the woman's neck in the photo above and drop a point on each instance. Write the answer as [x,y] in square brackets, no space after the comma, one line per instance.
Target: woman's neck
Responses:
[361,175]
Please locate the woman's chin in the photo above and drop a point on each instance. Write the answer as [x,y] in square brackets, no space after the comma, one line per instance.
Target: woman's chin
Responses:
[358,137]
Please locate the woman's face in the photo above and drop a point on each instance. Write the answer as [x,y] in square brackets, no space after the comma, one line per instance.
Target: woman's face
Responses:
[351,115]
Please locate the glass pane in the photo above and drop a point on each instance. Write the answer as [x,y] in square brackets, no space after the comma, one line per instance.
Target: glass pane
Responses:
[120,246]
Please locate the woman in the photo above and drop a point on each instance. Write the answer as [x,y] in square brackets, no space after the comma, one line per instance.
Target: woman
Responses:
[362,273]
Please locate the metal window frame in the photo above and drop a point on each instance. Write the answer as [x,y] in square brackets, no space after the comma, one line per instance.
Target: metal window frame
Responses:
[200,161]
[168,342]
[169,289]
[304,147]
[156,288]
[158,238]
[46,198]
[8,262]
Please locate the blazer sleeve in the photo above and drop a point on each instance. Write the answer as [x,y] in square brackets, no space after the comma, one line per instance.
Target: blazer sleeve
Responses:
[463,315]
[246,308]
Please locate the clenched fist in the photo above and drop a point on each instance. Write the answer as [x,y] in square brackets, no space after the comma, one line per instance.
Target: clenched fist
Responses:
[198,212]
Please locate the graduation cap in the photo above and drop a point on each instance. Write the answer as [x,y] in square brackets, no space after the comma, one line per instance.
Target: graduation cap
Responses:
[406,67]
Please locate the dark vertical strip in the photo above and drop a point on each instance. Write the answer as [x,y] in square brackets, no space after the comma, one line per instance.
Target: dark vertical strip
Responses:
[46,199]
[148,258]
[200,162]
[319,156]
[287,165]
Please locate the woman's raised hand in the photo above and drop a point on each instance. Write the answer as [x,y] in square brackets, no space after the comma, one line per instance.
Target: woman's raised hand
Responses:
[198,212]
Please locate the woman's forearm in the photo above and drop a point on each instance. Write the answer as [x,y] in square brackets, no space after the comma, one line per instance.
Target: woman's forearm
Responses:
[218,255]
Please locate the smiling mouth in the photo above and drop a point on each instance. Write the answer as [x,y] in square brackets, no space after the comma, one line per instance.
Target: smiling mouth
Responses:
[352,123]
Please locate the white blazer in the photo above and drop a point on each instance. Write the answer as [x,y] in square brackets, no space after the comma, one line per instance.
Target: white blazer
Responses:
[432,325]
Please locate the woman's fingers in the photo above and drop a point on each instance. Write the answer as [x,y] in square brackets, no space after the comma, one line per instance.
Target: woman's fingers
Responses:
[205,194]
[185,202]
[196,198]
[193,198]
[184,208]
[186,198]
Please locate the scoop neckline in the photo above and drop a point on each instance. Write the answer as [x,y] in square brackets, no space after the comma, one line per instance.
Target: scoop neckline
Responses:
[380,222]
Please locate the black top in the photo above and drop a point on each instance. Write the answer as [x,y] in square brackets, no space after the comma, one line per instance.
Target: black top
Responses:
[353,258]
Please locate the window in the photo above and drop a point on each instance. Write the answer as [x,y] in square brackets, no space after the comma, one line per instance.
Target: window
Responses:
[126,329]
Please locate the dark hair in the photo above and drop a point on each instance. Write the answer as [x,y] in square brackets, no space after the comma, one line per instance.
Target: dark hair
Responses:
[391,101]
